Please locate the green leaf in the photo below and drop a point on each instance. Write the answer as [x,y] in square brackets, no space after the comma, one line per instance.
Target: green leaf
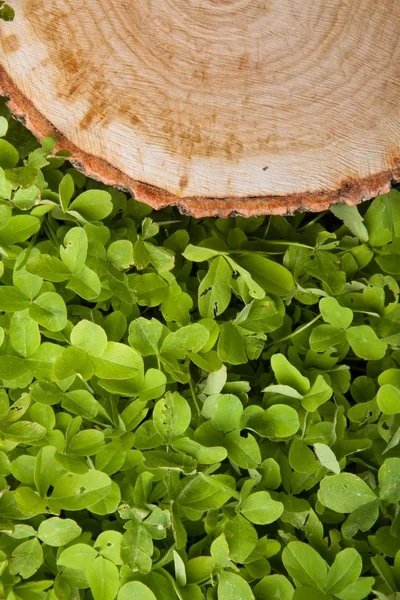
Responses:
[150,288]
[153,386]
[275,587]
[109,504]
[73,361]
[260,316]
[327,458]
[318,394]
[215,289]
[6,13]
[324,267]
[44,359]
[379,220]
[115,325]
[199,254]
[220,551]
[149,228]
[171,416]
[146,436]
[278,421]
[176,305]
[28,502]
[137,548]
[365,343]
[244,451]
[389,480]
[120,253]
[66,190]
[384,571]
[191,337]
[363,518]
[344,493]
[118,361]
[260,509]
[3,126]
[305,565]
[28,284]
[86,443]
[26,559]
[304,593]
[225,411]
[48,267]
[144,335]
[359,589]
[78,556]
[6,187]
[89,337]
[21,176]
[9,156]
[75,492]
[50,311]
[23,431]
[24,333]
[352,219]
[334,314]
[287,374]
[245,282]
[158,459]
[161,258]
[25,198]
[231,346]
[13,368]
[388,399]
[108,544]
[58,532]
[241,537]
[233,586]
[301,458]
[346,569]
[200,494]
[202,454]
[141,257]
[86,284]
[73,255]
[12,299]
[92,205]
[103,578]
[271,276]
[45,469]
[199,569]
[82,403]
[137,590]
[19,229]
[324,337]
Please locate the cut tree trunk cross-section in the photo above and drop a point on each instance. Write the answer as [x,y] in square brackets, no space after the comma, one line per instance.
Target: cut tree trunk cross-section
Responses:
[217,106]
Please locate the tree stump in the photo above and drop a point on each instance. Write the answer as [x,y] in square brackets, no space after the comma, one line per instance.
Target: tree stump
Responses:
[217,106]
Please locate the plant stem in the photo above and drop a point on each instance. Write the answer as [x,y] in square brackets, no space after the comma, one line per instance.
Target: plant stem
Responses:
[299,330]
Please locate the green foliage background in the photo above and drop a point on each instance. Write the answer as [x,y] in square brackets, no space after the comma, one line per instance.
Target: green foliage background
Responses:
[193,408]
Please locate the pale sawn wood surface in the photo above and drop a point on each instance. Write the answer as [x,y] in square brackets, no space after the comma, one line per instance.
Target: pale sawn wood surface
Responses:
[218,106]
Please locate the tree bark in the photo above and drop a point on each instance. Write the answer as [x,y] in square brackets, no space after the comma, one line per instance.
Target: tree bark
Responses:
[220,107]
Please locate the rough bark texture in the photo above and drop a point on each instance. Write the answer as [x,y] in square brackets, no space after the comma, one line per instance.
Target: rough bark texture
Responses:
[220,107]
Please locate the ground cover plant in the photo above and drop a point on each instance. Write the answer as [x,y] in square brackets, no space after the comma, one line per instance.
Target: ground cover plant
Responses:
[193,408]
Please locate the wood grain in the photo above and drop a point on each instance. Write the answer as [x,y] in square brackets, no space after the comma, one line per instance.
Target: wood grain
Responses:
[218,106]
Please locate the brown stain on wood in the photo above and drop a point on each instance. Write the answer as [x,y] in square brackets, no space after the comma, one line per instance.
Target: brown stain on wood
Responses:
[87,120]
[183,182]
[11,43]
[95,79]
